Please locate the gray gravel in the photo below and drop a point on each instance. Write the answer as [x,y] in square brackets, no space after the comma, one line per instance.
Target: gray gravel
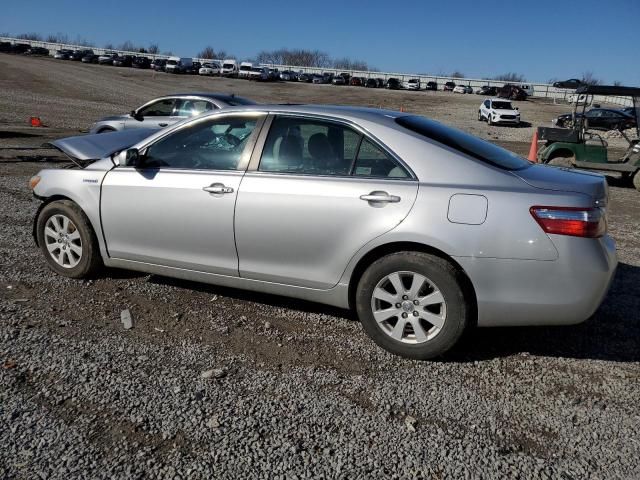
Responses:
[219,383]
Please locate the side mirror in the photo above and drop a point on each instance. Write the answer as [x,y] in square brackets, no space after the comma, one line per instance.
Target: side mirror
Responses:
[136,115]
[127,158]
[517,108]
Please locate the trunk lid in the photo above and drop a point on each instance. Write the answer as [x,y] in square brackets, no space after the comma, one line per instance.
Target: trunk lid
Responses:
[86,149]
[565,180]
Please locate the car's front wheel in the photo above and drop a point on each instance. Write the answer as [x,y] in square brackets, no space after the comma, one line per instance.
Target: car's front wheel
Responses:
[479,116]
[636,180]
[489,121]
[412,304]
[67,240]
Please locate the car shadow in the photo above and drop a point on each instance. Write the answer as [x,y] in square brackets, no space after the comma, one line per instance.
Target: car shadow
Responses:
[8,134]
[612,334]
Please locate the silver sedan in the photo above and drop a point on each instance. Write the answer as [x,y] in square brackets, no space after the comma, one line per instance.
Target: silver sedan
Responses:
[420,228]
[164,111]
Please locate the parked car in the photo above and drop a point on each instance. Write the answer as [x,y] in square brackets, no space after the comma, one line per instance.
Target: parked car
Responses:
[123,61]
[260,74]
[338,80]
[371,83]
[78,55]
[355,82]
[600,119]
[194,68]
[178,64]
[158,64]
[487,90]
[431,86]
[498,111]
[5,47]
[459,89]
[210,68]
[572,84]
[141,62]
[286,76]
[20,48]
[63,54]
[379,82]
[37,51]
[421,229]
[107,58]
[512,92]
[393,84]
[449,86]
[244,69]
[468,89]
[163,111]
[305,77]
[411,84]
[90,58]
[229,68]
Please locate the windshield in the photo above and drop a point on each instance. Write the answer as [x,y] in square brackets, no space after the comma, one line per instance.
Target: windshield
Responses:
[171,62]
[463,142]
[502,105]
[245,67]
[228,65]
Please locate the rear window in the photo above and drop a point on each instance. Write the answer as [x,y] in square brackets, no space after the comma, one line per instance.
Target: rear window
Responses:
[463,142]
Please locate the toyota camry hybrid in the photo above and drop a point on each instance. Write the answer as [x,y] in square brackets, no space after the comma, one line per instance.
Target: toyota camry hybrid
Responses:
[421,229]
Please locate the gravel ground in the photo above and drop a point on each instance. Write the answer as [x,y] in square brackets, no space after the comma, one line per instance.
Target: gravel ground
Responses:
[214,382]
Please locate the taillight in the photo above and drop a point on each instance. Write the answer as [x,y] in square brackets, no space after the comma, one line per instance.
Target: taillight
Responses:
[574,221]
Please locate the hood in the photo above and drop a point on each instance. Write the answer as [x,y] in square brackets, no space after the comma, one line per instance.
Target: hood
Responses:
[86,149]
[565,180]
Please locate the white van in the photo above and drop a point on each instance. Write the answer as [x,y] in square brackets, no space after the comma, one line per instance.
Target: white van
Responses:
[245,68]
[528,89]
[229,68]
[178,64]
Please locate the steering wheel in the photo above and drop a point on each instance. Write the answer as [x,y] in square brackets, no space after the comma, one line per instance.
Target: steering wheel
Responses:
[232,139]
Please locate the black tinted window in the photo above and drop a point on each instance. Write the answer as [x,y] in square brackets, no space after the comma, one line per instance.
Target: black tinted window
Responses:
[463,142]
[161,108]
[209,145]
[373,161]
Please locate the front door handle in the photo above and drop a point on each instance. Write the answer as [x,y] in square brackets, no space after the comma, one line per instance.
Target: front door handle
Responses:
[163,124]
[217,188]
[380,197]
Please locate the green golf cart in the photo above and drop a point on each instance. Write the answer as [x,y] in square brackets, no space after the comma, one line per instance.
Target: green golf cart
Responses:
[581,146]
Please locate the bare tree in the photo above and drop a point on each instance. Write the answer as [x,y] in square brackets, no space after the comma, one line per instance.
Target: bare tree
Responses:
[153,49]
[29,36]
[109,46]
[511,77]
[456,74]
[168,53]
[617,83]
[208,52]
[127,46]
[348,64]
[589,78]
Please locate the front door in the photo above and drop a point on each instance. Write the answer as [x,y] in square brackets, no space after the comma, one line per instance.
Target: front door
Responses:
[321,191]
[176,207]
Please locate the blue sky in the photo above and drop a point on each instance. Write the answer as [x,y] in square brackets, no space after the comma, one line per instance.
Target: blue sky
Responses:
[481,38]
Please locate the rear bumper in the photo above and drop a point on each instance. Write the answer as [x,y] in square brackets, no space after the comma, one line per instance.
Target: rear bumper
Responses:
[530,292]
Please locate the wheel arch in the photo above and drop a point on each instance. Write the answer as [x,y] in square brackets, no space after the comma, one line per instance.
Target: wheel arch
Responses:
[54,198]
[401,246]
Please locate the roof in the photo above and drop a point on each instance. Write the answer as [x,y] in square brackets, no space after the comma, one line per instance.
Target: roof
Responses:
[609,90]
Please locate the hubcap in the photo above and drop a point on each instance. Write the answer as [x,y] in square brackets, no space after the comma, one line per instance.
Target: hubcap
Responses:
[408,307]
[63,241]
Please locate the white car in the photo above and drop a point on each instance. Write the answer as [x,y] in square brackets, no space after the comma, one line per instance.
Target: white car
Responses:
[209,69]
[460,89]
[412,84]
[498,110]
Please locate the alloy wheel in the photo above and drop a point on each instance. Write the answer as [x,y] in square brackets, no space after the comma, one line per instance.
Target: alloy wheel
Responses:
[63,241]
[409,307]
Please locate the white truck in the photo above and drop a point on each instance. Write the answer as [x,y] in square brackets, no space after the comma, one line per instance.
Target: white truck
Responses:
[178,64]
[229,67]
[245,68]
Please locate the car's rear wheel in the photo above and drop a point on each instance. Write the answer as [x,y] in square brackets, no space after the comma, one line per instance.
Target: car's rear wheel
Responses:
[67,240]
[412,304]
[636,180]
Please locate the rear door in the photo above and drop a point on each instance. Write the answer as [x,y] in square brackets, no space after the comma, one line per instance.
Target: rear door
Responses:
[316,193]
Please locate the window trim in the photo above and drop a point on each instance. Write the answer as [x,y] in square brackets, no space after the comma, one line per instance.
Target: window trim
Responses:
[258,149]
[191,121]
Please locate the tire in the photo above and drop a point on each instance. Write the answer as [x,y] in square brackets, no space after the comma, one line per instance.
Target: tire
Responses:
[479,116]
[78,254]
[489,121]
[636,180]
[439,323]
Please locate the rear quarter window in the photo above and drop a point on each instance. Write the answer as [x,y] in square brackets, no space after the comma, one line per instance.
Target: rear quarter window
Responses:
[463,142]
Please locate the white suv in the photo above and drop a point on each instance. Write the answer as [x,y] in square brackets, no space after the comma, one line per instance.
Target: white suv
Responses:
[498,110]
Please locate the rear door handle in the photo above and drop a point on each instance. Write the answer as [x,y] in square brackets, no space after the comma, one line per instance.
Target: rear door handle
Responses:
[218,188]
[380,197]
[163,124]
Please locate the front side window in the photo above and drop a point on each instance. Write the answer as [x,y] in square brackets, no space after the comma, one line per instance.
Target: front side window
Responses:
[215,144]
[190,108]
[161,108]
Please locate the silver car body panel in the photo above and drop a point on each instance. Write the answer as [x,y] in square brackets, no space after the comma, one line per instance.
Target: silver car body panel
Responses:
[304,236]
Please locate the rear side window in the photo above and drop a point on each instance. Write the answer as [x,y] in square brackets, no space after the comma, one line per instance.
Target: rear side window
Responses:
[463,142]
